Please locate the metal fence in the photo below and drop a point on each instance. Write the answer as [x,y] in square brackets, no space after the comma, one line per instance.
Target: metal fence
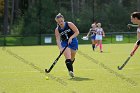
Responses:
[49,39]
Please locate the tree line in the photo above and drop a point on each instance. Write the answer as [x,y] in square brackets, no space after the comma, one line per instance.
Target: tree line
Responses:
[28,17]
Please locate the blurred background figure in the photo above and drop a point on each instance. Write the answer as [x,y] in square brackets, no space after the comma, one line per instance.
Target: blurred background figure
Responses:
[92,32]
[99,36]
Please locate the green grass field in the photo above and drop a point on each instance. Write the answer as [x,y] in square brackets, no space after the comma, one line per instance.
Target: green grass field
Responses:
[21,70]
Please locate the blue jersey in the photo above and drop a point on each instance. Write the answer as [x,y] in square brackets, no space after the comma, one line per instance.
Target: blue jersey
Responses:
[65,34]
[93,33]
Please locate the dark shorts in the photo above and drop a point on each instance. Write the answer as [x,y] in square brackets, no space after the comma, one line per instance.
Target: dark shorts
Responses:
[93,37]
[73,45]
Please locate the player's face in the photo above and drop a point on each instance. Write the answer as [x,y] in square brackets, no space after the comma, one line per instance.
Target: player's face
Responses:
[134,20]
[60,21]
[93,26]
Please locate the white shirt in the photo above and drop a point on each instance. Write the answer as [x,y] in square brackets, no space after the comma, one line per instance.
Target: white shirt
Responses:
[99,31]
[138,29]
[138,33]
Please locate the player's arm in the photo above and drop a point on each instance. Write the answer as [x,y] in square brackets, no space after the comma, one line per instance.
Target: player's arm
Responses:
[132,25]
[75,29]
[88,33]
[57,36]
[135,48]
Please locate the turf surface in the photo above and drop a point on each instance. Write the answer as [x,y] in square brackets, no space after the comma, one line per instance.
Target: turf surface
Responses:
[21,70]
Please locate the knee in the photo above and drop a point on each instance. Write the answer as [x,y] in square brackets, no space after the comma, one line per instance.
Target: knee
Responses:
[67,54]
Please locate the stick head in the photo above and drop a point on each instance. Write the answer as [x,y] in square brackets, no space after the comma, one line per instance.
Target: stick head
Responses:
[119,68]
[85,38]
[47,71]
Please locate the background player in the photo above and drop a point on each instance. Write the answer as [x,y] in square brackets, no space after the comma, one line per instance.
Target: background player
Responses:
[92,31]
[99,36]
[135,19]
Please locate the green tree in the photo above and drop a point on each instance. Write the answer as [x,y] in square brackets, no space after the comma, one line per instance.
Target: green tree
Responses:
[37,16]
[1,14]
[39,19]
[112,18]
[1,7]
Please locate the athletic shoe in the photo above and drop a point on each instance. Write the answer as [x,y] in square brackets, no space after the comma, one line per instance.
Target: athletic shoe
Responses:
[71,74]
[101,51]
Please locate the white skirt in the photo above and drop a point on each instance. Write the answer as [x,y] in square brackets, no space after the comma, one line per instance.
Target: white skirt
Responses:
[99,37]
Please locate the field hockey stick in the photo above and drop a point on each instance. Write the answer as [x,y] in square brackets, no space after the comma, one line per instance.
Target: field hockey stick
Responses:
[121,67]
[126,61]
[47,71]
[88,33]
[87,36]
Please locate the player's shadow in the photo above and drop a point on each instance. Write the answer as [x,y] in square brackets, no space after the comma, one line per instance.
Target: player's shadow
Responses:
[80,79]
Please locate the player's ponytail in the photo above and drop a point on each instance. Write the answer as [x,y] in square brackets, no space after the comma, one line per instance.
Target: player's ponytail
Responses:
[59,15]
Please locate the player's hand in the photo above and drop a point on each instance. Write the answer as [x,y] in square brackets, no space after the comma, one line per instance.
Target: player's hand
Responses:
[70,40]
[132,53]
[103,35]
[61,50]
[129,26]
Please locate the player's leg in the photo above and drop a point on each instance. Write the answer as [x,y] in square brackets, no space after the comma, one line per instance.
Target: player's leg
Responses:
[67,54]
[68,62]
[74,47]
[93,42]
[73,53]
[101,43]
[97,40]
[97,44]
[101,46]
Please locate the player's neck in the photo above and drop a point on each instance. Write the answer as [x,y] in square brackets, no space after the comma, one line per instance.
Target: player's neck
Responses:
[62,26]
